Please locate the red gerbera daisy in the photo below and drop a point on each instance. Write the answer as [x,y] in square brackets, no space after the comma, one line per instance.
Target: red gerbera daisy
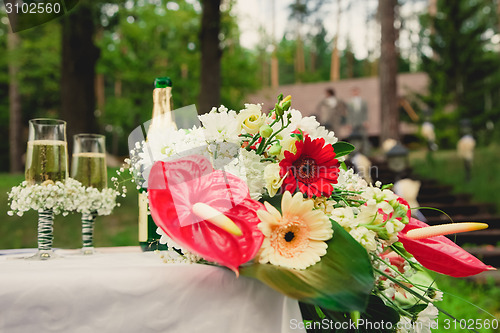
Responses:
[313,169]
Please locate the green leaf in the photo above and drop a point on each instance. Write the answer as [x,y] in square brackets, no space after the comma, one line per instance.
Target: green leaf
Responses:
[376,312]
[341,281]
[342,148]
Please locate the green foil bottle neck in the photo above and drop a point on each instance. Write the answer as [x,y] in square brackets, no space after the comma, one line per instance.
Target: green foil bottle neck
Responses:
[163,82]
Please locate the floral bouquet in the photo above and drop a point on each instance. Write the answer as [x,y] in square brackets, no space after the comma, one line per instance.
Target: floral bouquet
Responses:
[269,197]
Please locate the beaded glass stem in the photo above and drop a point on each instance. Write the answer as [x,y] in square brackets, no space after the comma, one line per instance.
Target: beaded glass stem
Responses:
[88,232]
[46,162]
[45,233]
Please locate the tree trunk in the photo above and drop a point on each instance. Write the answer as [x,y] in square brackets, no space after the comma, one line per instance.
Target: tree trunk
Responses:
[335,65]
[300,64]
[15,111]
[275,79]
[335,62]
[79,57]
[211,53]
[100,92]
[388,72]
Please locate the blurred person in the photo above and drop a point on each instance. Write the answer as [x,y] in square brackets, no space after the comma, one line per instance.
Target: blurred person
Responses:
[408,189]
[330,111]
[363,166]
[357,117]
[465,150]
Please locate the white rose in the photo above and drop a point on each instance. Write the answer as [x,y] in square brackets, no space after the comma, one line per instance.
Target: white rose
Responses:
[272,178]
[251,118]
[288,144]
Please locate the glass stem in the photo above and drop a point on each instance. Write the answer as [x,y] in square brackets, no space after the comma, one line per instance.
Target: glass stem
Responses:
[45,229]
[88,229]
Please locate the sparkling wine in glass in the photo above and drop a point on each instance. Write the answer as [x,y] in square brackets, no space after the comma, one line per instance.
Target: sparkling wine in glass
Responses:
[89,167]
[46,162]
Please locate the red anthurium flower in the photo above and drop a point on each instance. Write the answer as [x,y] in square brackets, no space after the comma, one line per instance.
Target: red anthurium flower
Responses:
[207,212]
[312,169]
[440,254]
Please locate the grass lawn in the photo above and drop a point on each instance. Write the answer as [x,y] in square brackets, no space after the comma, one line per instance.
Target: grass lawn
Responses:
[448,168]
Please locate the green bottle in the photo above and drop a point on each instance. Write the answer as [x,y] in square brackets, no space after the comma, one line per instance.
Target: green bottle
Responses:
[149,240]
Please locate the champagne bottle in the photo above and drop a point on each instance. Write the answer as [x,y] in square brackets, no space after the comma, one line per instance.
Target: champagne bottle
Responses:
[162,120]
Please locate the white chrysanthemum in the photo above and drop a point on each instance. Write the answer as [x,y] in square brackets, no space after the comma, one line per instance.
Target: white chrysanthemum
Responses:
[296,238]
[248,167]
[310,126]
[220,125]
[254,170]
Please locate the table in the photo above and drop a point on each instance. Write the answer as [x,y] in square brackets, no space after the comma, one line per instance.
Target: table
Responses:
[125,290]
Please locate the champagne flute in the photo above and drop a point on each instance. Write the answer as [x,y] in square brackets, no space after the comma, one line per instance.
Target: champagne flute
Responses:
[46,162]
[89,167]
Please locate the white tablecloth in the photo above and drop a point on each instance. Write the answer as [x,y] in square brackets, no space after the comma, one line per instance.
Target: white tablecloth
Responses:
[130,291]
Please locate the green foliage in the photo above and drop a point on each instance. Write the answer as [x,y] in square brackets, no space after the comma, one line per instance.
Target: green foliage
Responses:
[139,41]
[148,40]
[341,281]
[342,148]
[463,70]
[38,59]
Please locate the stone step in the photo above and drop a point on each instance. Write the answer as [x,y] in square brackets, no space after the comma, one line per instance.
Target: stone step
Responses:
[492,220]
[466,209]
[489,254]
[485,277]
[480,237]
[444,198]
[435,189]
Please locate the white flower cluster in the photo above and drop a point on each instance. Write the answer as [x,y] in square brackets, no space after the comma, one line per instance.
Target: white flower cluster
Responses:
[100,201]
[173,256]
[376,223]
[423,323]
[61,198]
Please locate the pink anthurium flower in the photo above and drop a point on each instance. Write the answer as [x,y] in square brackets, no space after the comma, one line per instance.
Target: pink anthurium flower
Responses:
[208,212]
[440,254]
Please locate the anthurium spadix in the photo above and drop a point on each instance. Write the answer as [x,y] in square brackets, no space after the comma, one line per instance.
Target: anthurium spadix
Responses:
[207,212]
[438,253]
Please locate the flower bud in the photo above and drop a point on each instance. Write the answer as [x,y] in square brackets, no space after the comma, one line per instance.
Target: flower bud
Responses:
[278,110]
[265,131]
[287,105]
[274,149]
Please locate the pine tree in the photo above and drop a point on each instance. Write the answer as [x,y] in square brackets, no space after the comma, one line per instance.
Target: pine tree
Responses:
[463,70]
